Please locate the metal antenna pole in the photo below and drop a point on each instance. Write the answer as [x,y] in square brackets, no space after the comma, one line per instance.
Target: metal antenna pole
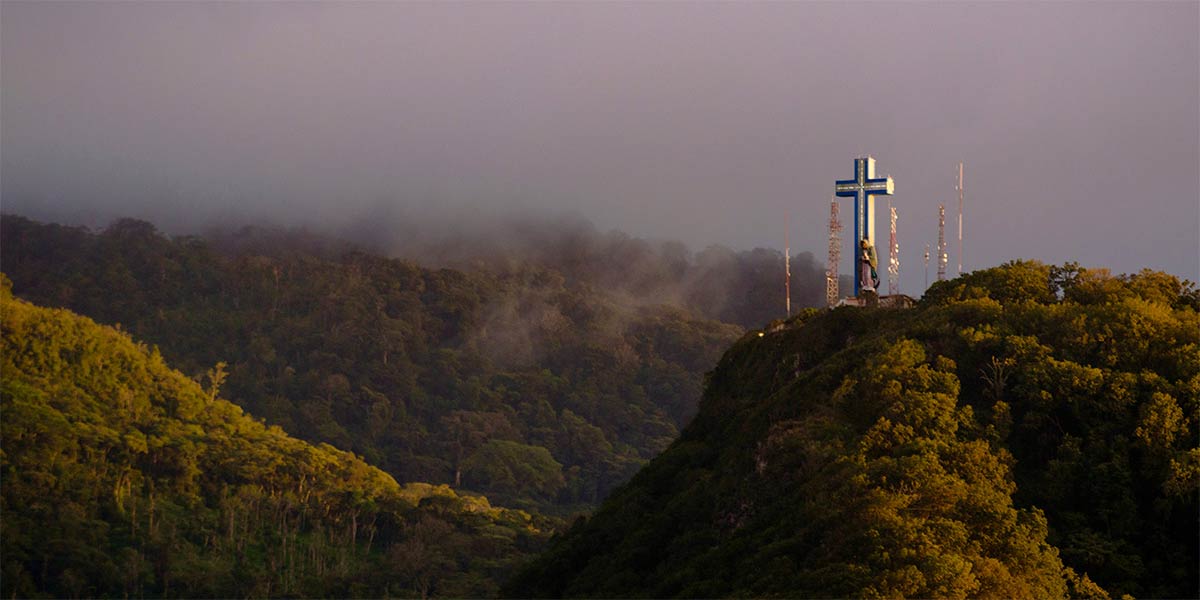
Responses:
[926,266]
[960,215]
[787,263]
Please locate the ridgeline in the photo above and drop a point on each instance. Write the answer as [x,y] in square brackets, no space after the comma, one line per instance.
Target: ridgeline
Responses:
[1027,431]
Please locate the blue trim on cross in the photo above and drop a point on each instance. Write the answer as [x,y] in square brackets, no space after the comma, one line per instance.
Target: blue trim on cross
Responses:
[862,188]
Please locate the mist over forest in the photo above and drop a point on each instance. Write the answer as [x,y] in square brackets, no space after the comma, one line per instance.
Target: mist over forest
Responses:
[744,287]
[437,375]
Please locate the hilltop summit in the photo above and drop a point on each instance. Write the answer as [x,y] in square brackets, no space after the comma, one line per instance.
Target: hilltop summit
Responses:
[1025,431]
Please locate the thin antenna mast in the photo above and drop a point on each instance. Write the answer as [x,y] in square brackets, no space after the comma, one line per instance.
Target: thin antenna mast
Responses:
[926,266]
[893,255]
[835,254]
[960,215]
[941,246]
[787,263]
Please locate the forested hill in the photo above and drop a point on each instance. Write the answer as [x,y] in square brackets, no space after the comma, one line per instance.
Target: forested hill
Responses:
[1025,432]
[742,287]
[538,392]
[124,478]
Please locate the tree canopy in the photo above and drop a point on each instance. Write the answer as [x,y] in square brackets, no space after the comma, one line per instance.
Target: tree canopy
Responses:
[1026,431]
[123,477]
[430,374]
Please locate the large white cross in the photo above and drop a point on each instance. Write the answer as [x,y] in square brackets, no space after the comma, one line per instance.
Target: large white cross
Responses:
[863,189]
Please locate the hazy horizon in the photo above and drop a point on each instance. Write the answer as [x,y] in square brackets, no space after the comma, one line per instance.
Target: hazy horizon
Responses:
[1079,124]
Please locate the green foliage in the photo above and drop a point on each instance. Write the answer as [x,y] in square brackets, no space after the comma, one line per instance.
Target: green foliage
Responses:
[1015,281]
[513,470]
[122,477]
[1027,431]
[414,369]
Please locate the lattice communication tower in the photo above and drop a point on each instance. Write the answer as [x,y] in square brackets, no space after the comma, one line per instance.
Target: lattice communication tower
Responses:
[835,255]
[893,255]
[942,257]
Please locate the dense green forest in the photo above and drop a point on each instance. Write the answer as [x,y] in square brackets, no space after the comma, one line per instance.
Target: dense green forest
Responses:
[538,391]
[1027,431]
[123,477]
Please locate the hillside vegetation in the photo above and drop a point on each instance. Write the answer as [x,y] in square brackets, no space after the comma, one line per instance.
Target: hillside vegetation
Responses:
[122,477]
[540,392]
[1026,431]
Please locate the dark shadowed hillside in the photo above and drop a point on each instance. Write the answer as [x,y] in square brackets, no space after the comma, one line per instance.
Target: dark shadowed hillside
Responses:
[1026,431]
[124,478]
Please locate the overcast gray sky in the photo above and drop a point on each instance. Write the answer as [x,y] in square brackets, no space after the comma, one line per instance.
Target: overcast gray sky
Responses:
[1079,123]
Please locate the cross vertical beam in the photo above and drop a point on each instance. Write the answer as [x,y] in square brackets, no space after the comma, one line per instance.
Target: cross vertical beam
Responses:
[863,188]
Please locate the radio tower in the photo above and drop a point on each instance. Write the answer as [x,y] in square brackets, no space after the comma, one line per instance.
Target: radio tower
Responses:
[835,255]
[893,255]
[941,248]
[959,187]
[926,266]
[787,264]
